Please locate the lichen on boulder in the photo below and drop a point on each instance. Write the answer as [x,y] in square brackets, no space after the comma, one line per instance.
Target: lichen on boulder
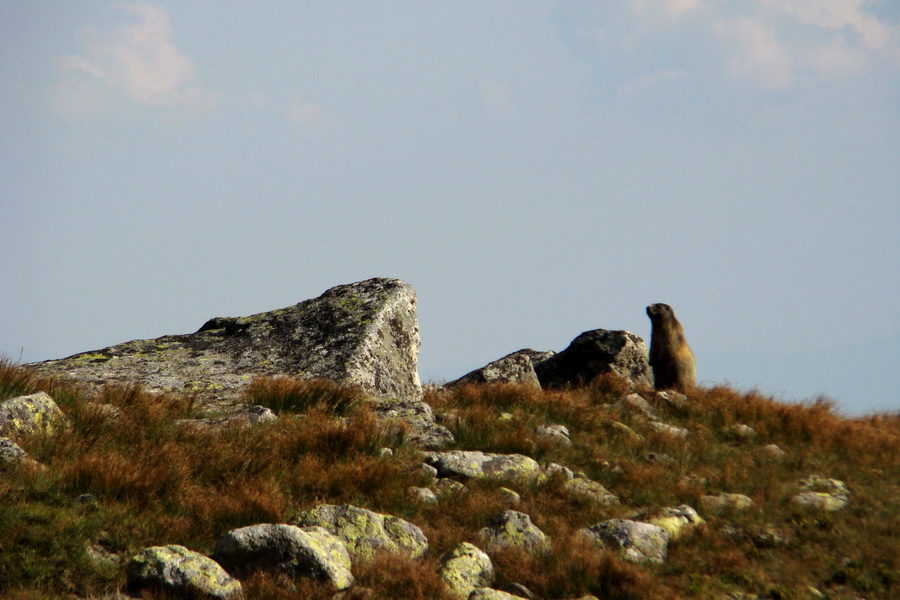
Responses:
[181,573]
[465,568]
[364,532]
[35,413]
[514,468]
[364,334]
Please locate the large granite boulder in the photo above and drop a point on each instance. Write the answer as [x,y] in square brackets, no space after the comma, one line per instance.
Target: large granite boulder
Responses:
[595,353]
[180,573]
[295,551]
[364,334]
[517,367]
[470,464]
[364,532]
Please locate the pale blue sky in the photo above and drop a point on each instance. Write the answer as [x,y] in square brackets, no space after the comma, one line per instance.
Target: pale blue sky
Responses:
[533,169]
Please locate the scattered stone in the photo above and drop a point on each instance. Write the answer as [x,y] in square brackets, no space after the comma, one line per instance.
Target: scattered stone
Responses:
[554,470]
[449,488]
[510,497]
[556,433]
[740,433]
[245,417]
[517,367]
[821,493]
[721,503]
[773,451]
[423,470]
[180,572]
[626,432]
[85,500]
[510,468]
[485,593]
[512,528]
[659,458]
[386,453]
[506,416]
[364,532]
[421,495]
[415,419]
[634,403]
[677,520]
[672,430]
[518,590]
[633,541]
[10,453]
[364,334]
[674,399]
[465,568]
[307,552]
[586,490]
[595,353]
[34,413]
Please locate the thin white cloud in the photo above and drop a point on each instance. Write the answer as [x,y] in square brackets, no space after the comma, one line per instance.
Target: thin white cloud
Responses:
[758,56]
[140,59]
[302,113]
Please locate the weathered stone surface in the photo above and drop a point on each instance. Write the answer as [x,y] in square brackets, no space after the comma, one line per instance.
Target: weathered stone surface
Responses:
[517,367]
[590,491]
[482,465]
[595,353]
[10,453]
[416,419]
[300,552]
[246,417]
[181,573]
[509,497]
[363,334]
[447,489]
[421,495]
[672,430]
[465,568]
[677,520]
[364,532]
[485,593]
[35,413]
[821,493]
[720,503]
[512,528]
[633,541]
[635,404]
[555,433]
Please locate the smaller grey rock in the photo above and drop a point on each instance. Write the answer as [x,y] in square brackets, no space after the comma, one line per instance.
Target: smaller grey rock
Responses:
[518,590]
[590,491]
[465,568]
[517,367]
[673,398]
[421,495]
[34,413]
[10,453]
[554,470]
[512,529]
[415,419]
[594,353]
[677,520]
[245,417]
[181,572]
[773,451]
[386,453]
[821,493]
[449,488]
[740,432]
[672,430]
[721,503]
[635,404]
[423,470]
[484,593]
[632,540]
[555,433]
[625,432]
[510,497]
[510,468]
[659,458]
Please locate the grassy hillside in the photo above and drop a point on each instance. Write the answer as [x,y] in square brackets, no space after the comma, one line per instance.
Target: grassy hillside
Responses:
[157,482]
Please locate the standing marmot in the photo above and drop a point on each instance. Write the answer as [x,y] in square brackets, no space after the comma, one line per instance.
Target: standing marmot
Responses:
[670,356]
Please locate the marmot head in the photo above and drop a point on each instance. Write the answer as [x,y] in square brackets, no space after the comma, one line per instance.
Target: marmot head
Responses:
[660,311]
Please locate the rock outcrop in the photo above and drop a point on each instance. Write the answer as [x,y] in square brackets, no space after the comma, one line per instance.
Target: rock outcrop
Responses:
[595,353]
[364,334]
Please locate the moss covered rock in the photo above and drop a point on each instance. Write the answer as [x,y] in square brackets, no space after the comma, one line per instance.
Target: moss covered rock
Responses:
[364,532]
[298,552]
[35,413]
[181,573]
[465,568]
[512,529]
[632,540]
[513,468]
